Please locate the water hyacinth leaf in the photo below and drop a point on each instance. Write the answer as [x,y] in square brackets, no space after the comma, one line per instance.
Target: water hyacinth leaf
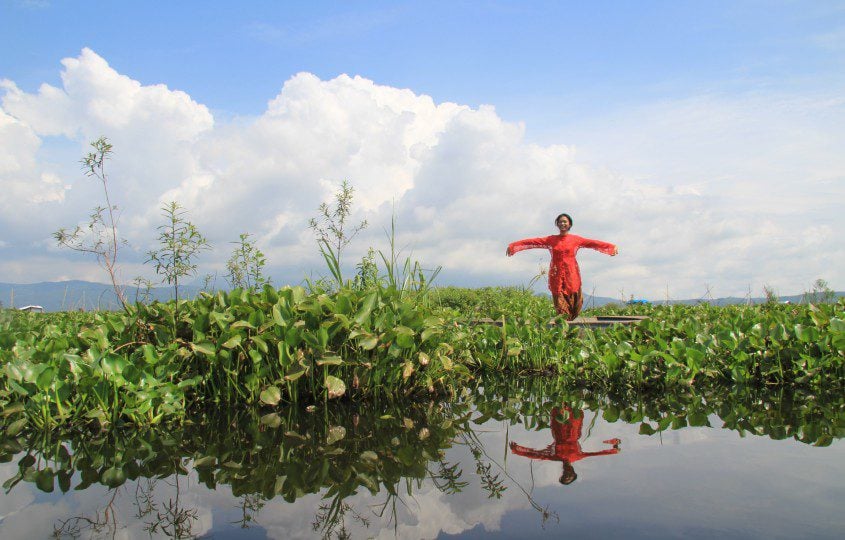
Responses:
[150,355]
[113,365]
[335,387]
[368,482]
[205,348]
[64,478]
[44,480]
[335,434]
[205,461]
[271,395]
[16,427]
[408,370]
[369,455]
[242,324]
[277,316]
[113,477]
[272,420]
[698,419]
[368,343]
[13,409]
[646,429]
[366,308]
[296,371]
[330,361]
[232,342]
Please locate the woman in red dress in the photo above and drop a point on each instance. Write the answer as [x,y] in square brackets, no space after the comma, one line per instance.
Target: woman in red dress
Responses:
[564,276]
[566,447]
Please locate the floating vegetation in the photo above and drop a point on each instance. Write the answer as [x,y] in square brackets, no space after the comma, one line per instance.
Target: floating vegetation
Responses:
[267,348]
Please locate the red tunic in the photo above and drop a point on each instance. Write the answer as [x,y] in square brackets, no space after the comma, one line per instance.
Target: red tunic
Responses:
[564,275]
[566,446]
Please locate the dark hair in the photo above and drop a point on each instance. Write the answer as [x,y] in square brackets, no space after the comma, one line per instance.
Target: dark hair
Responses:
[568,475]
[567,216]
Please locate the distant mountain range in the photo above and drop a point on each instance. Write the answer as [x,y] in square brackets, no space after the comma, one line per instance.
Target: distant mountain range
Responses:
[86,295]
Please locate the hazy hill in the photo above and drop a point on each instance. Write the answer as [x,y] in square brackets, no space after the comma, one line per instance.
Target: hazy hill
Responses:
[74,295]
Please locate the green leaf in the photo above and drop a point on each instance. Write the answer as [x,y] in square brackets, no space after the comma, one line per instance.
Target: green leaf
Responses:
[205,348]
[368,343]
[335,387]
[296,371]
[206,461]
[271,395]
[113,477]
[232,342]
[336,433]
[44,480]
[16,426]
[272,420]
[330,361]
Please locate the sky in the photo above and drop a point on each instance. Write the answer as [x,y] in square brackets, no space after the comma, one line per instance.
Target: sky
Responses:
[705,139]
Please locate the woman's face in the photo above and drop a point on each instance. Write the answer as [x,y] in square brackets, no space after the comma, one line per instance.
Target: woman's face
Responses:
[563,224]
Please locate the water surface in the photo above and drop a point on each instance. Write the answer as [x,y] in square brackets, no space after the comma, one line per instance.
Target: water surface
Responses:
[507,461]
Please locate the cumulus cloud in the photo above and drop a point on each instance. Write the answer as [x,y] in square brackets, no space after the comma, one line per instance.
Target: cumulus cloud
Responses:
[687,208]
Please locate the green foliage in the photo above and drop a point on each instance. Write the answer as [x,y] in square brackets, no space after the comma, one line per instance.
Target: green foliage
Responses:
[331,229]
[245,267]
[771,295]
[822,293]
[274,347]
[179,244]
[99,236]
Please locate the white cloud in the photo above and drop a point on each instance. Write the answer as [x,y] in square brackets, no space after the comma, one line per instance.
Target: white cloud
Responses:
[729,192]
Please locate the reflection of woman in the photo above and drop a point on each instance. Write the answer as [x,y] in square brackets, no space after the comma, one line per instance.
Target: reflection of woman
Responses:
[566,448]
[564,276]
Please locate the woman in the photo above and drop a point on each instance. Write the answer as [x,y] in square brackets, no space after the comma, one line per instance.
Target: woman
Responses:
[564,276]
[566,447]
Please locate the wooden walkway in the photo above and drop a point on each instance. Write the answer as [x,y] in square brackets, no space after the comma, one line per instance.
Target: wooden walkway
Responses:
[584,322]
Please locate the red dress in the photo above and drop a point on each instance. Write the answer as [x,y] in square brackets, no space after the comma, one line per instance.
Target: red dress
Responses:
[564,275]
[566,446]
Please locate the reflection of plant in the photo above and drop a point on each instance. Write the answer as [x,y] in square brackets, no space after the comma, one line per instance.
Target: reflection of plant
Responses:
[330,519]
[103,519]
[491,483]
[251,504]
[174,520]
[448,478]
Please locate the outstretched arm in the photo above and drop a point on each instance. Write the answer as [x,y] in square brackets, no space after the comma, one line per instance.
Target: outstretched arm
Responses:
[604,247]
[528,243]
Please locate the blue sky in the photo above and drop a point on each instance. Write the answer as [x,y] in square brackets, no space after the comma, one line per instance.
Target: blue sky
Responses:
[697,109]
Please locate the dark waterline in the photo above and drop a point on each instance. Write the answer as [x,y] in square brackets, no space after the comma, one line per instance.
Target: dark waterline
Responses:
[454,472]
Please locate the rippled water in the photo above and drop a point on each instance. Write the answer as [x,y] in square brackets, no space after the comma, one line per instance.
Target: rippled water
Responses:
[495,463]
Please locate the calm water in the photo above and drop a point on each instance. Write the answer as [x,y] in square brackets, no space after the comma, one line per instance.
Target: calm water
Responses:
[531,463]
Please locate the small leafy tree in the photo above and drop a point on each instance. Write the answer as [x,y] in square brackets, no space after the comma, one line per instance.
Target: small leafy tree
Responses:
[99,236]
[143,288]
[179,244]
[771,295]
[822,293]
[331,229]
[367,275]
[245,267]
[209,281]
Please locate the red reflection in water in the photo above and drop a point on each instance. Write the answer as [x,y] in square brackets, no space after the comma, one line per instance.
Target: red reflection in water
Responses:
[566,447]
